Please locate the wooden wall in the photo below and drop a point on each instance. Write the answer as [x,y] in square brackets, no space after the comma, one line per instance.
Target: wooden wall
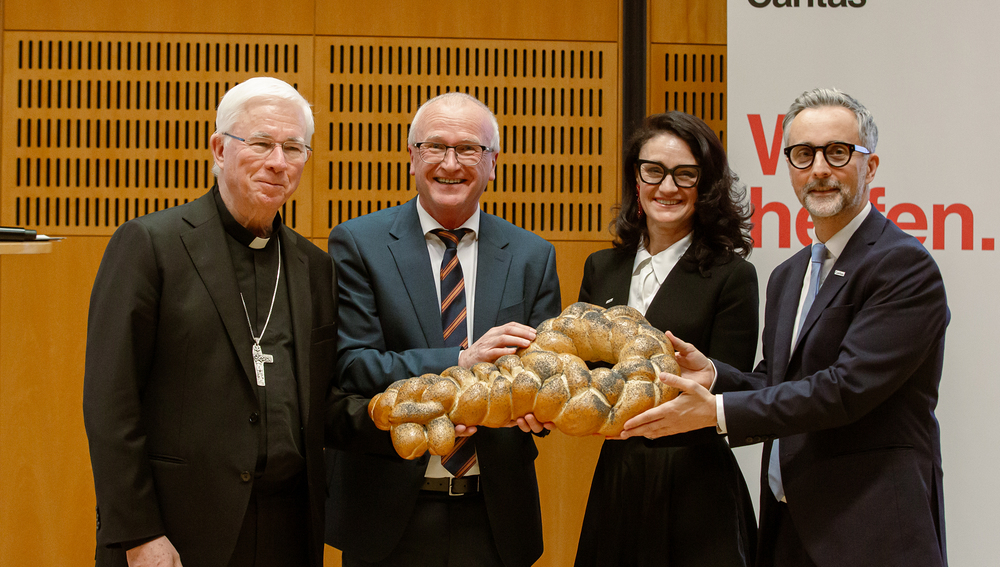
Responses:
[107,106]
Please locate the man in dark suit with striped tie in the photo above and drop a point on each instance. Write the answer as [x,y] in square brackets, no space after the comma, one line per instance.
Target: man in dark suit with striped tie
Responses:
[424,286]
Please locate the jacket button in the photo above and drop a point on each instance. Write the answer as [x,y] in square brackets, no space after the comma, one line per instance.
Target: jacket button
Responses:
[245,476]
[254,417]
[750,440]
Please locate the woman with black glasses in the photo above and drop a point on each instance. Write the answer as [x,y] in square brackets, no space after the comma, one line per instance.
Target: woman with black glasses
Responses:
[681,239]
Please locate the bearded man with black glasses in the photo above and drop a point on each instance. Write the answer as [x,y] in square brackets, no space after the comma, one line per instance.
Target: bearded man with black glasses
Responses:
[427,285]
[853,348]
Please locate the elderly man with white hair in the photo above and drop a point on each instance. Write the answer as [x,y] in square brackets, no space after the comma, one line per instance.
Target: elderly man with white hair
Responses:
[208,392]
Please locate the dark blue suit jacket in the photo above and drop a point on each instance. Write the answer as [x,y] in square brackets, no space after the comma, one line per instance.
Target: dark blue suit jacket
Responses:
[853,403]
[390,329]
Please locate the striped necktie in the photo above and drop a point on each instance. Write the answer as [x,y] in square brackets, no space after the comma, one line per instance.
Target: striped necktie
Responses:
[463,456]
[452,290]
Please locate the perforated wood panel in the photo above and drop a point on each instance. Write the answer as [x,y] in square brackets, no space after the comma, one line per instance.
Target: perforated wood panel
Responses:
[556,104]
[101,128]
[692,79]
[180,49]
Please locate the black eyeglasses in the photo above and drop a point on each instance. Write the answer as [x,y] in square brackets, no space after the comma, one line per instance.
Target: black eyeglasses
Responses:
[654,172]
[836,154]
[467,154]
[295,152]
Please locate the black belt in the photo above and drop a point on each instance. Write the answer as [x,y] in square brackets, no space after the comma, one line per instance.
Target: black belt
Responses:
[453,486]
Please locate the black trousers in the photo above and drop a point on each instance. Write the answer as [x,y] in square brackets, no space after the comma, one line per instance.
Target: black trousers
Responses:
[785,548]
[275,530]
[444,531]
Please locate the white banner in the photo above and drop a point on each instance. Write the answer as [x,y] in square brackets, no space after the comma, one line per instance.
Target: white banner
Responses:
[927,71]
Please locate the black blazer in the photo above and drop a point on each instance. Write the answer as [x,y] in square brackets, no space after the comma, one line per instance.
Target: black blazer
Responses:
[169,386]
[390,329]
[853,403]
[694,308]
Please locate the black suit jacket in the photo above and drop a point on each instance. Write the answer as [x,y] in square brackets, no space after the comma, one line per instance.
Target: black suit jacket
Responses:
[699,310]
[390,329]
[853,403]
[169,388]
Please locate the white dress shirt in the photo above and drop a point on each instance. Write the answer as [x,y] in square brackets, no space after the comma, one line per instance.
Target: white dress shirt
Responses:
[468,255]
[649,272]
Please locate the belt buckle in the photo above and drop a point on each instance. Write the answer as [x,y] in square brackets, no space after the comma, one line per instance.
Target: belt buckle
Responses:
[451,486]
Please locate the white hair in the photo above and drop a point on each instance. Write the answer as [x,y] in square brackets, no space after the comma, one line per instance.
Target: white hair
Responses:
[259,90]
[455,99]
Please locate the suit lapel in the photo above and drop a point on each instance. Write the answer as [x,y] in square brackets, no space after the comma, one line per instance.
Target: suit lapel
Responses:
[788,306]
[616,279]
[300,305]
[409,250]
[845,267]
[206,245]
[492,268]
[676,285]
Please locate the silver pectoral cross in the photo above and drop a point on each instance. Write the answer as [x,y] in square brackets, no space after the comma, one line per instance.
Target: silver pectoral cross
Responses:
[259,358]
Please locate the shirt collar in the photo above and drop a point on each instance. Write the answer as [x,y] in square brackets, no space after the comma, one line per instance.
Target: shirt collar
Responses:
[836,243]
[239,232]
[664,261]
[427,222]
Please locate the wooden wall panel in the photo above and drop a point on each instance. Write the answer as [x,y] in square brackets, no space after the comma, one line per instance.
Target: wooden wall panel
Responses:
[100,127]
[565,467]
[570,257]
[687,21]
[556,104]
[3,75]
[687,60]
[47,517]
[689,78]
[187,16]
[559,20]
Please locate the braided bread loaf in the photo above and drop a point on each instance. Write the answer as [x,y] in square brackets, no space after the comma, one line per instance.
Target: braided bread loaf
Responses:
[549,378]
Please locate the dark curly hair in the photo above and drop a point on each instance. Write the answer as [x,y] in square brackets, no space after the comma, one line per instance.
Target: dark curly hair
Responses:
[721,219]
